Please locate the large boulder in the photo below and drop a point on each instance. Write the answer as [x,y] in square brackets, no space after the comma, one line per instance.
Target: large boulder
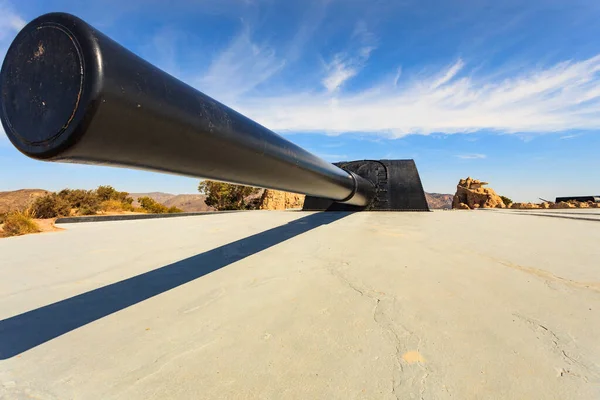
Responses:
[278,200]
[472,193]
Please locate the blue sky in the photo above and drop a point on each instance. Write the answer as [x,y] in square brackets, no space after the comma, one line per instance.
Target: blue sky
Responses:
[504,91]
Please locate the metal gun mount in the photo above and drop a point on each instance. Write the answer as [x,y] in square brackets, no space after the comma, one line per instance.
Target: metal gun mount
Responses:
[72,94]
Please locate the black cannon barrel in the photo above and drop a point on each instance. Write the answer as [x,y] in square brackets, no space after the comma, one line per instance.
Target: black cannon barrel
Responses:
[72,94]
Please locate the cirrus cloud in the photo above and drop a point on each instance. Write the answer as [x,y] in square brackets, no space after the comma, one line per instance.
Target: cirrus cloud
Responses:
[471,156]
[10,22]
[564,96]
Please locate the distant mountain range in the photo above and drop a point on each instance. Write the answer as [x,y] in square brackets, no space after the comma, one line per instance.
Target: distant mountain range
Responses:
[439,201]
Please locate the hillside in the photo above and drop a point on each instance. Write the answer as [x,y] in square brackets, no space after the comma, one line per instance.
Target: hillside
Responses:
[186,202]
[189,202]
[18,199]
[439,201]
[160,197]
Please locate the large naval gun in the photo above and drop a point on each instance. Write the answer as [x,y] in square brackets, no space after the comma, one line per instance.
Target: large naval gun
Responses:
[72,94]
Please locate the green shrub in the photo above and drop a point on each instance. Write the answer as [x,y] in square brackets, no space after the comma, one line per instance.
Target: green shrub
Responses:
[107,192]
[111,205]
[152,206]
[115,206]
[19,223]
[85,210]
[507,202]
[128,206]
[226,196]
[50,206]
[86,201]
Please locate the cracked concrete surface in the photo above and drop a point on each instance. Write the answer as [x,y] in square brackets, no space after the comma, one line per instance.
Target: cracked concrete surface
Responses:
[442,305]
[402,378]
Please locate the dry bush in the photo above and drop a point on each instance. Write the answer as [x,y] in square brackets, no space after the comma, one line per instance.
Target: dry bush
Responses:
[87,210]
[19,223]
[85,201]
[51,206]
[113,200]
[107,192]
[507,201]
[111,205]
[150,205]
[115,206]
[127,207]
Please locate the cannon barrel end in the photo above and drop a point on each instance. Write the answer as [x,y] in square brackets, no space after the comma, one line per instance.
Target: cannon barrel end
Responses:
[47,84]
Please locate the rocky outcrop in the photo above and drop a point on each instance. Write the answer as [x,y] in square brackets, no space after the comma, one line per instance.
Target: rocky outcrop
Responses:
[563,204]
[525,206]
[550,205]
[471,193]
[583,204]
[278,200]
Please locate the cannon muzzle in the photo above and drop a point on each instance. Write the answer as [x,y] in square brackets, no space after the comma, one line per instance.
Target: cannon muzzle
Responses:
[71,94]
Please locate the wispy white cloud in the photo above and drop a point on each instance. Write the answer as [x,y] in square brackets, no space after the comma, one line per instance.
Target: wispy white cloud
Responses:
[471,156]
[238,69]
[346,65]
[397,76]
[10,21]
[573,136]
[449,74]
[338,72]
[315,13]
[161,50]
[560,97]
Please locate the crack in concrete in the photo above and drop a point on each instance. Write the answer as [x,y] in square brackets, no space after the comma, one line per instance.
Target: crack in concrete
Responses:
[422,390]
[397,335]
[549,277]
[558,346]
[394,388]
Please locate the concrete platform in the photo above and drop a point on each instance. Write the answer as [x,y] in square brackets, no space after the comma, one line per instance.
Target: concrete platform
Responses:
[293,305]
